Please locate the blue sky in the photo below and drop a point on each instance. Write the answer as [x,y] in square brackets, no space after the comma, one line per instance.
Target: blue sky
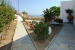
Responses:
[35,7]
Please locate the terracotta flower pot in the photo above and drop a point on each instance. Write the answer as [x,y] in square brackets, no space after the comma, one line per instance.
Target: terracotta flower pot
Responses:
[70,17]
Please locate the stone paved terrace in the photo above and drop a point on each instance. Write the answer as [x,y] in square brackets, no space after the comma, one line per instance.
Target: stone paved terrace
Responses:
[21,39]
[65,40]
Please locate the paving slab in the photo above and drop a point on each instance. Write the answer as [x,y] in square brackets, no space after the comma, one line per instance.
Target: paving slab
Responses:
[65,40]
[21,39]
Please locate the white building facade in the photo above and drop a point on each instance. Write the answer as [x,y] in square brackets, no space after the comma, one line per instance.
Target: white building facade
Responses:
[67,5]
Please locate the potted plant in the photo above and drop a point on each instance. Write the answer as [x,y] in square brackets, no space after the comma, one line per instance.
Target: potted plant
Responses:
[69,12]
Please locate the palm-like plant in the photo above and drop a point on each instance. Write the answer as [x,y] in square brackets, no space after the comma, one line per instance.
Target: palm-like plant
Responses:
[48,16]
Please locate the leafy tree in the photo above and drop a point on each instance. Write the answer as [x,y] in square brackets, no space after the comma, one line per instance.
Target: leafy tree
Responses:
[24,16]
[24,12]
[56,11]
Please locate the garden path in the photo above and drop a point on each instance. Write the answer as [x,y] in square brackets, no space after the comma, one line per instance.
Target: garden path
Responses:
[21,39]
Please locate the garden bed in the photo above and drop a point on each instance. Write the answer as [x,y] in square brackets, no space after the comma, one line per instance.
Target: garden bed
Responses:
[7,42]
[41,45]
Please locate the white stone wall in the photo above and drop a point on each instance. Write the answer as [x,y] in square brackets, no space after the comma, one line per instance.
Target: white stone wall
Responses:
[73,1]
[65,5]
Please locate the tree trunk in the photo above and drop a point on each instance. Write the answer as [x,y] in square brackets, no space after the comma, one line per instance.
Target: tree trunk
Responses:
[49,23]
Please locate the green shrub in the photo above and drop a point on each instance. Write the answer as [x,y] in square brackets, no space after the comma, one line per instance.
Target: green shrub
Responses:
[6,14]
[58,20]
[34,23]
[24,18]
[41,30]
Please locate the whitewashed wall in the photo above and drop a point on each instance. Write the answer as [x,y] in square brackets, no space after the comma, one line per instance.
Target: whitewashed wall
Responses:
[73,1]
[65,5]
